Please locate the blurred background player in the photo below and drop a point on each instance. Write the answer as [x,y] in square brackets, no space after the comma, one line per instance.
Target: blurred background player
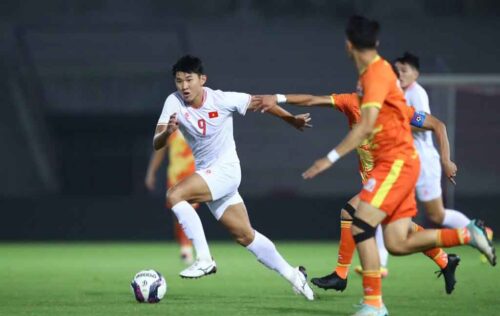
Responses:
[180,165]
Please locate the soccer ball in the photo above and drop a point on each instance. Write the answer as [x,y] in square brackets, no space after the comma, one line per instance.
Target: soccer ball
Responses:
[148,286]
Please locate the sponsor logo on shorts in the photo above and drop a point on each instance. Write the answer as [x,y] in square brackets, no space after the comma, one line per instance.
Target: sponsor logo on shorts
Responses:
[208,171]
[370,185]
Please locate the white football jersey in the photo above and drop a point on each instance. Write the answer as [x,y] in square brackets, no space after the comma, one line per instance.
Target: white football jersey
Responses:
[416,96]
[208,129]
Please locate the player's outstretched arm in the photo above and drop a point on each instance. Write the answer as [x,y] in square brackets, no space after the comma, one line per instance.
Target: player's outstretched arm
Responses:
[353,139]
[163,132]
[153,166]
[432,123]
[267,102]
[300,121]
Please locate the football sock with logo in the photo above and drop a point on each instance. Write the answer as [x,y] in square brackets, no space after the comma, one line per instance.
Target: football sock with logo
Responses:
[372,288]
[453,237]
[438,255]
[346,249]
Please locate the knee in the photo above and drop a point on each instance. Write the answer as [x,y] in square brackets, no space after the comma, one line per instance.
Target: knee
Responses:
[244,237]
[395,249]
[173,197]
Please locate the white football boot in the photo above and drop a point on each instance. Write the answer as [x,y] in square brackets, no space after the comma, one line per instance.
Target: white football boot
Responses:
[199,269]
[299,283]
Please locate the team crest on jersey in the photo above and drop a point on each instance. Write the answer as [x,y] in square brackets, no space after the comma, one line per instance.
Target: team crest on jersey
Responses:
[359,89]
[370,185]
[213,114]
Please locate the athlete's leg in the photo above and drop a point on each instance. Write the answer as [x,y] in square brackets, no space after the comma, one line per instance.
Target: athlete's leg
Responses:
[191,189]
[447,263]
[399,243]
[439,215]
[365,221]
[337,280]
[429,192]
[382,251]
[346,243]
[235,219]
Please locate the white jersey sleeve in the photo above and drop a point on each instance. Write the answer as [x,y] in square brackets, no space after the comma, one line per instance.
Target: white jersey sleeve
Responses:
[418,98]
[170,107]
[236,101]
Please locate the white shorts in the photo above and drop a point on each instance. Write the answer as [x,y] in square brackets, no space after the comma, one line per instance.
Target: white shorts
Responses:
[223,180]
[429,181]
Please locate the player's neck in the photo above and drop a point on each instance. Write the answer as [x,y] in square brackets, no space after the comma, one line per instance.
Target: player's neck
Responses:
[198,101]
[364,58]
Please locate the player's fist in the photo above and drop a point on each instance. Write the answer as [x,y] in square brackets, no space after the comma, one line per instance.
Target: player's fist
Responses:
[318,167]
[450,170]
[173,124]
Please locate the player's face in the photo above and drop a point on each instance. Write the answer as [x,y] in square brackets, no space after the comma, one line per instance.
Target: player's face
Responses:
[407,74]
[190,85]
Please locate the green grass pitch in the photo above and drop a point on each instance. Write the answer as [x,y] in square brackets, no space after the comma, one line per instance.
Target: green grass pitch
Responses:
[74,279]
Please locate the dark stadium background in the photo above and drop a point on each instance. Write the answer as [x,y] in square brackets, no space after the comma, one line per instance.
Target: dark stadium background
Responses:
[83,82]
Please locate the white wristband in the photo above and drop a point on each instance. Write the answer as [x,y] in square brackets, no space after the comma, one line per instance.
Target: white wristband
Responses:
[333,156]
[280,98]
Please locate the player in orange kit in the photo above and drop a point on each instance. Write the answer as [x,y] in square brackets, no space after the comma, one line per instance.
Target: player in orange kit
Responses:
[348,104]
[388,195]
[181,164]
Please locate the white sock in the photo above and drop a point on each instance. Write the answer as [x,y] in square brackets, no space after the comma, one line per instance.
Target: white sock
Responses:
[268,255]
[382,251]
[191,224]
[455,219]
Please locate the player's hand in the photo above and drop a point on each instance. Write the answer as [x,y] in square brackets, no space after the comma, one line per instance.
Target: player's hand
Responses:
[318,167]
[450,170]
[301,121]
[150,182]
[173,124]
[265,102]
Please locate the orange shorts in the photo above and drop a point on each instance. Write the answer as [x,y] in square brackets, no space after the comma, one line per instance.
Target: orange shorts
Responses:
[391,188]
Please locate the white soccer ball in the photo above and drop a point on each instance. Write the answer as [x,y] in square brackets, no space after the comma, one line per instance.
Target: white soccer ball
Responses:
[148,286]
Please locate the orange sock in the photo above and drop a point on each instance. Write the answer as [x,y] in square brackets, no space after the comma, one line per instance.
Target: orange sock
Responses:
[372,288]
[453,237]
[438,255]
[346,249]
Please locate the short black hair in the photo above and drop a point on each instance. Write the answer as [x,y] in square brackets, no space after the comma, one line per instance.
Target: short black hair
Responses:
[410,59]
[188,64]
[362,32]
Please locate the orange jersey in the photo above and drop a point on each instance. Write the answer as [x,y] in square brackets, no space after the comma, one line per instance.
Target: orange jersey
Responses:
[378,87]
[348,104]
[181,160]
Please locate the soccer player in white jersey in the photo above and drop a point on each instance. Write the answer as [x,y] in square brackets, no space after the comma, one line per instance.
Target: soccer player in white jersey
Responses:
[428,188]
[205,117]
